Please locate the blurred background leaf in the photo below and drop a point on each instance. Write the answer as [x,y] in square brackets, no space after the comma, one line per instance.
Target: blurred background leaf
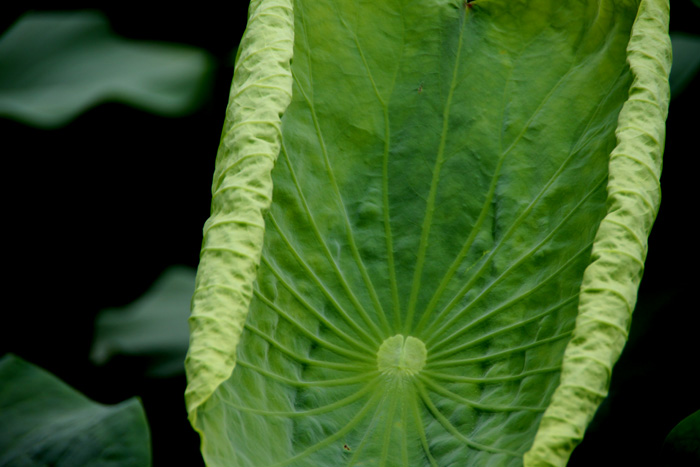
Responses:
[153,328]
[46,422]
[686,61]
[56,65]
[682,445]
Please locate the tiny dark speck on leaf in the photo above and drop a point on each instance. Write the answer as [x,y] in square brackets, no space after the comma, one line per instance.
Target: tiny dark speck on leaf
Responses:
[346,447]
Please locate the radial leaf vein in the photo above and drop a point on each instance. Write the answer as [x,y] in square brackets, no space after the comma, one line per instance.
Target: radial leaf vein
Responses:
[489,380]
[430,205]
[421,432]
[404,423]
[493,334]
[305,413]
[321,286]
[477,405]
[477,227]
[440,318]
[497,355]
[450,428]
[367,436]
[337,435]
[343,335]
[393,283]
[389,427]
[301,359]
[490,313]
[324,245]
[350,236]
[319,383]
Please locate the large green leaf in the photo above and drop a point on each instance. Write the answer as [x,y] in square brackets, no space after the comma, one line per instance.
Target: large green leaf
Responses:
[462,198]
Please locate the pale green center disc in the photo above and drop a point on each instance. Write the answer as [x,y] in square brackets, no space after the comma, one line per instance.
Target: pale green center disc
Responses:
[401,356]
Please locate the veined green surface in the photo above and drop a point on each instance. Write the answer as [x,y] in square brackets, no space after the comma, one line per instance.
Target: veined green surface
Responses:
[443,171]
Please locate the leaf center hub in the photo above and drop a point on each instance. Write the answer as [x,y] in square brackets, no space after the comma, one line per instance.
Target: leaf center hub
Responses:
[401,356]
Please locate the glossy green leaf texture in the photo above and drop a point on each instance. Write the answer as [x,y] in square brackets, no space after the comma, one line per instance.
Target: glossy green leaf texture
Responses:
[56,65]
[46,422]
[441,266]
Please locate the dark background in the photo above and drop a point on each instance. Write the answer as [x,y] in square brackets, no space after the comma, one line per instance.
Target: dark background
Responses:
[130,191]
[128,194]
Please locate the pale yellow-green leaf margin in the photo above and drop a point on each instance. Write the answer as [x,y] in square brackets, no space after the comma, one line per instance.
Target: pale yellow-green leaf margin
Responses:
[609,288]
[241,193]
